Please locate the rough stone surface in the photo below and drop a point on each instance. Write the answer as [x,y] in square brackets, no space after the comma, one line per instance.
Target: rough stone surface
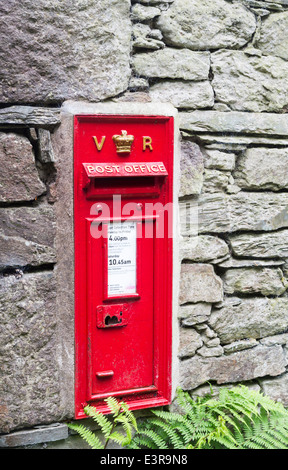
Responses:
[47,118]
[240,366]
[27,236]
[19,179]
[193,314]
[191,169]
[147,38]
[235,122]
[173,63]
[240,345]
[276,388]
[261,245]
[183,94]
[262,168]
[64,50]
[52,433]
[218,212]
[46,154]
[29,390]
[217,160]
[266,281]
[199,283]
[273,35]
[249,318]
[203,25]
[203,248]
[143,13]
[216,181]
[249,263]
[250,83]
[190,341]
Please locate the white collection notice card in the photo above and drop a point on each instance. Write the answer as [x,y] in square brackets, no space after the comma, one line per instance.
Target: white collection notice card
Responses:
[121,258]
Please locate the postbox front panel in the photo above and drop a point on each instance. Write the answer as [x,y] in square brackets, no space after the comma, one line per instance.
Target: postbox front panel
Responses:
[123,178]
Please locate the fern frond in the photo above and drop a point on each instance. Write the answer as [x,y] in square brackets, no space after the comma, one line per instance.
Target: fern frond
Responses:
[87,435]
[154,441]
[113,405]
[126,425]
[102,421]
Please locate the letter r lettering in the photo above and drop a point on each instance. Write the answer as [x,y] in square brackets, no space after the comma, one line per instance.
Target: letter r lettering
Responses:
[147,142]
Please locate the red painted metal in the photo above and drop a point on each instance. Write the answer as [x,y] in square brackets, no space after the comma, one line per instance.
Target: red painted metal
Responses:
[123,340]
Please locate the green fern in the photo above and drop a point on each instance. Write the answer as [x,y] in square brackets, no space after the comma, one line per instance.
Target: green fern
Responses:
[121,415]
[239,418]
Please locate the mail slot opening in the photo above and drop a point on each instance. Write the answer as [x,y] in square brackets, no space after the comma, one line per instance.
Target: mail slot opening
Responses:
[124,185]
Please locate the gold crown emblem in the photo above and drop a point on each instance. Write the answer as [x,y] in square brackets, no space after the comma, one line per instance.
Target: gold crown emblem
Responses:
[123,142]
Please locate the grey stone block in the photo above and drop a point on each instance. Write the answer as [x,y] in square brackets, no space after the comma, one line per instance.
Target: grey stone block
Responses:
[37,435]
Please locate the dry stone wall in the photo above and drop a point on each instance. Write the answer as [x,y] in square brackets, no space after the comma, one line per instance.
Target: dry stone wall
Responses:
[223,64]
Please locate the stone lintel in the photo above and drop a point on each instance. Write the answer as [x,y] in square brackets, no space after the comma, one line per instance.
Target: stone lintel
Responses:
[234,122]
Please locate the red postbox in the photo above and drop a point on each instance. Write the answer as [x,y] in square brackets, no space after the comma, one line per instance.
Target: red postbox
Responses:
[123,212]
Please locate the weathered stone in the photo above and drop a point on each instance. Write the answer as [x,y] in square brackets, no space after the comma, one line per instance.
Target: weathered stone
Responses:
[240,366]
[46,154]
[234,123]
[266,281]
[276,389]
[190,341]
[199,283]
[138,84]
[19,179]
[248,263]
[250,83]
[145,37]
[173,63]
[64,50]
[27,236]
[193,314]
[281,339]
[237,142]
[153,2]
[207,351]
[142,13]
[272,38]
[218,212]
[191,169]
[183,94]
[50,433]
[240,345]
[276,5]
[263,168]
[47,118]
[202,24]
[148,43]
[250,318]
[29,385]
[216,160]
[216,181]
[261,245]
[203,248]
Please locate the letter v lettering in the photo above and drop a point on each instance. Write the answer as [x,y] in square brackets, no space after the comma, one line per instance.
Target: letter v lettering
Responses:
[99,146]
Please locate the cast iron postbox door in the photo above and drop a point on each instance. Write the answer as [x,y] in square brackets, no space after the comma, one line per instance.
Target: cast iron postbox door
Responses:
[123,177]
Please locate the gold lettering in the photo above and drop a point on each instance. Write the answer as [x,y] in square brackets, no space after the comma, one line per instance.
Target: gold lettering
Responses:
[99,145]
[147,142]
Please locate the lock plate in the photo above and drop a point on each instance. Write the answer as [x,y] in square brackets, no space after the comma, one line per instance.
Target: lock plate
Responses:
[112,316]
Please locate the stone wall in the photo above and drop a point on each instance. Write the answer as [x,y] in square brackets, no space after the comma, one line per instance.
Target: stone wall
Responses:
[223,65]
